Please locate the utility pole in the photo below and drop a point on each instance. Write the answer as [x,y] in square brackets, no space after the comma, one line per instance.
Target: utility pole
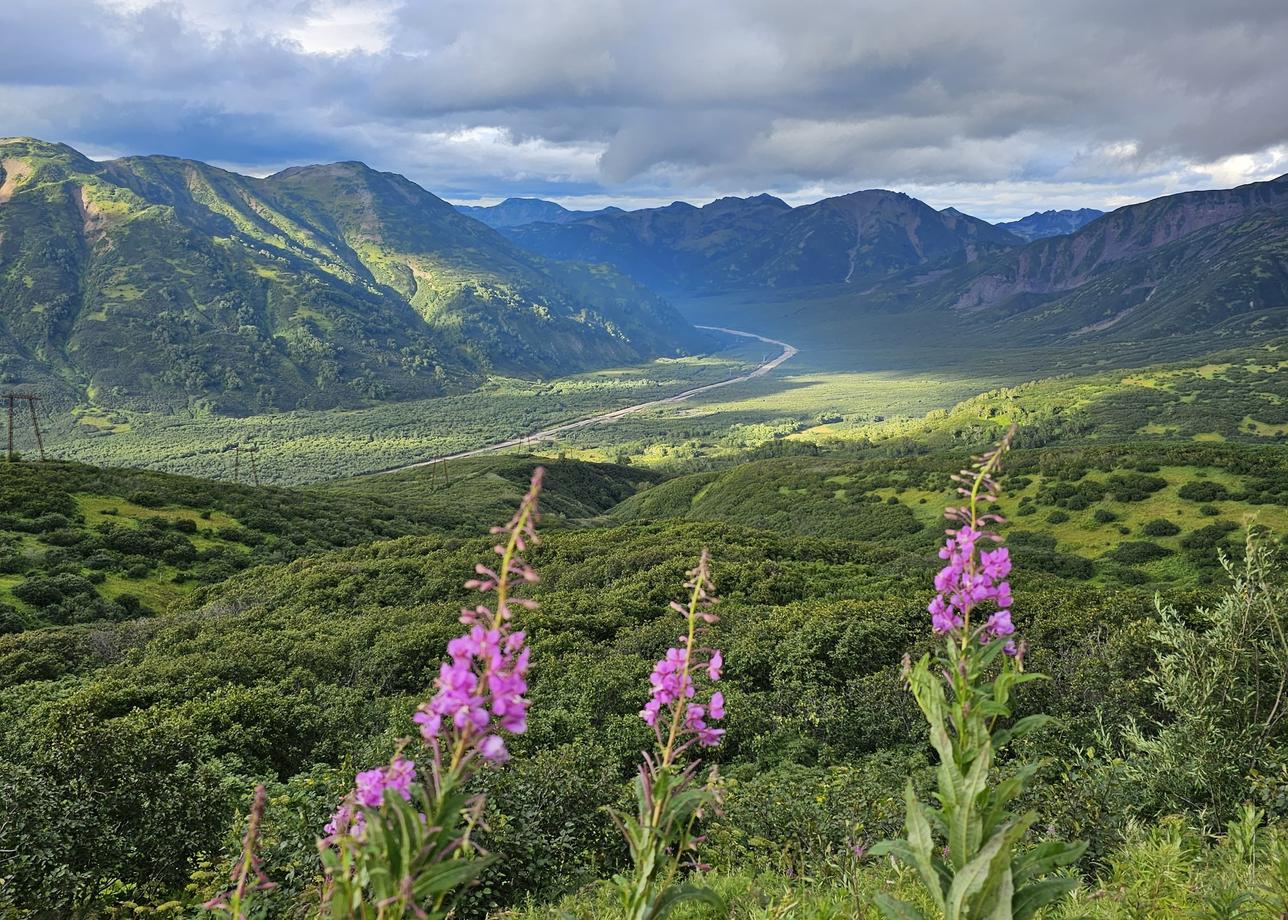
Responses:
[31,399]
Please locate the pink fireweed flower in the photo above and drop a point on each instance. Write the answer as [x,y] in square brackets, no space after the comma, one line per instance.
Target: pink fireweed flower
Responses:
[480,689]
[974,577]
[479,695]
[369,792]
[681,709]
[673,688]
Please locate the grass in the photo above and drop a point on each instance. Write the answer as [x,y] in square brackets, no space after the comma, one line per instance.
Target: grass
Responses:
[98,509]
[1166,870]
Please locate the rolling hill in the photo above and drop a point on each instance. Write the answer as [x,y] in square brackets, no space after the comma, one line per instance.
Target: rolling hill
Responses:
[159,283]
[762,241]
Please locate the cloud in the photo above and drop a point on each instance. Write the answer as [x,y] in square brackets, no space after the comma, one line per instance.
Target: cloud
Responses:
[1000,106]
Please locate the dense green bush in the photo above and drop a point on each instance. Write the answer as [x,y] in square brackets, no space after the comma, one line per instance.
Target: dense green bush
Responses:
[293,673]
[1137,551]
[1221,681]
[283,671]
[1160,527]
[1203,490]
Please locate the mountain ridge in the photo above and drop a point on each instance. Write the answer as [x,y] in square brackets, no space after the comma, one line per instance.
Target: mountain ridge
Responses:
[1175,265]
[762,241]
[515,212]
[160,282]
[1041,224]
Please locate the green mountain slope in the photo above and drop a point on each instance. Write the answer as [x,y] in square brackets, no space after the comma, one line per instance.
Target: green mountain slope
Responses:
[82,543]
[161,283]
[1208,260]
[763,242]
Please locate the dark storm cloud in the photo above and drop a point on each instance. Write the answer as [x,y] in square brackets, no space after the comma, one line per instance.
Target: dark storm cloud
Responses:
[999,105]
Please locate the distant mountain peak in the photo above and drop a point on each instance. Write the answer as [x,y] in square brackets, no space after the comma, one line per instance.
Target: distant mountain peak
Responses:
[517,211]
[733,201]
[1043,224]
[762,241]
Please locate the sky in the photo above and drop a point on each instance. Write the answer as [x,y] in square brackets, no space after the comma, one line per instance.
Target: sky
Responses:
[997,107]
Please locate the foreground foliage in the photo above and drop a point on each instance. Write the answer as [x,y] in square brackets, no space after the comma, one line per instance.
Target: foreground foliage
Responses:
[291,675]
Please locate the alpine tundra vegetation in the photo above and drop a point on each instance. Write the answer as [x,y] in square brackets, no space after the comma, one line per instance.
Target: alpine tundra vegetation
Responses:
[567,460]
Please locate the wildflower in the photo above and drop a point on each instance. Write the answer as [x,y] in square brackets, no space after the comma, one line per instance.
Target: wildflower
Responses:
[716,708]
[974,577]
[479,698]
[983,869]
[670,799]
[480,688]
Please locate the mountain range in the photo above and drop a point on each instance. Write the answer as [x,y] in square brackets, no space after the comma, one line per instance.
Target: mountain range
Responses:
[762,241]
[517,212]
[1175,265]
[162,283]
[1042,224]
[1185,263]
[172,285]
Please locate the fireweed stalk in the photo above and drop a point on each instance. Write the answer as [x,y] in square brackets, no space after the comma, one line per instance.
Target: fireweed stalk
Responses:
[670,799]
[242,901]
[400,844]
[982,870]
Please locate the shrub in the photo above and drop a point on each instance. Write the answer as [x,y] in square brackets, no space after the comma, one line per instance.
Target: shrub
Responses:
[46,592]
[1203,490]
[1134,487]
[11,621]
[1209,537]
[1137,551]
[1104,516]
[1220,681]
[1057,517]
[1160,527]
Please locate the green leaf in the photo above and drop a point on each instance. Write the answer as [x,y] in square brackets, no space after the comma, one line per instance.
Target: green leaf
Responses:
[985,872]
[1045,857]
[922,845]
[1039,894]
[678,895]
[894,909]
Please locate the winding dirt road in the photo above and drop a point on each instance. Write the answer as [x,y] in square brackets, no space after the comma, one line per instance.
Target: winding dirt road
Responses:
[788,352]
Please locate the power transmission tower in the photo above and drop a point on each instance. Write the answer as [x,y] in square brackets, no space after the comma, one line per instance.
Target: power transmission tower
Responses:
[31,399]
[250,451]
